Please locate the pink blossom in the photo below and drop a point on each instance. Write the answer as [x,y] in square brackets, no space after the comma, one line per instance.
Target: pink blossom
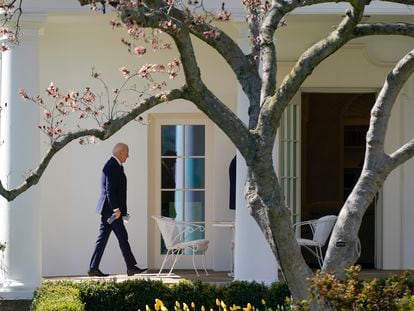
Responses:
[174,63]
[140,50]
[125,72]
[144,71]
[166,46]
[73,95]
[211,34]
[155,86]
[223,15]
[114,23]
[167,25]
[89,97]
[39,100]
[4,30]
[93,5]
[73,104]
[52,90]
[158,68]
[11,37]
[23,94]
[54,131]
[47,113]
[4,47]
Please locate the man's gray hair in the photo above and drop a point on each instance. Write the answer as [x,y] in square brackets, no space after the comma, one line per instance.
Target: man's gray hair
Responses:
[119,147]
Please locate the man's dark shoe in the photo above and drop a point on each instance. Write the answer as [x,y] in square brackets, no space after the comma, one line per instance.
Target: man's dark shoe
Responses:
[96,272]
[135,270]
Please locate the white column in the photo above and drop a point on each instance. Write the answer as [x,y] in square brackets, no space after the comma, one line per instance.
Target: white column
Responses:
[407,169]
[253,259]
[20,219]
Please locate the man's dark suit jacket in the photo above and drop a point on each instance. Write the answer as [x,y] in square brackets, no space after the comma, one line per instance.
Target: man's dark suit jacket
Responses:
[113,189]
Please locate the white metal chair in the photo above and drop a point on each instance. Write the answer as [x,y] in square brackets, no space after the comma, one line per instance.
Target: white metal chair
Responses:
[177,239]
[321,229]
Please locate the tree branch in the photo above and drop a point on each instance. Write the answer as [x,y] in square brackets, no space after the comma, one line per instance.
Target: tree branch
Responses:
[403,154]
[224,118]
[110,129]
[243,66]
[404,29]
[196,91]
[268,49]
[381,111]
[274,106]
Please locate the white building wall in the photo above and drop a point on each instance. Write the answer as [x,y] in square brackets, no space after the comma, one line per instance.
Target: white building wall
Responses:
[69,193]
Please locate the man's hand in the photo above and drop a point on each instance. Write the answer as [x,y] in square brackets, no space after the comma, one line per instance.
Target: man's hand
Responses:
[117,213]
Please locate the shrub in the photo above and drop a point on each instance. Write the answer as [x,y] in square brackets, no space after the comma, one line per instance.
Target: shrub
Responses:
[139,293]
[134,295]
[96,294]
[56,296]
[201,294]
[393,293]
[277,293]
[241,293]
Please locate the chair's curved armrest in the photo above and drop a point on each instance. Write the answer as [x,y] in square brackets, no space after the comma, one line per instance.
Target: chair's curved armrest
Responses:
[303,223]
[309,223]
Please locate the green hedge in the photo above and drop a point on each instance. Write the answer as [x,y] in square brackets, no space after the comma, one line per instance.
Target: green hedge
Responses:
[136,294]
[57,296]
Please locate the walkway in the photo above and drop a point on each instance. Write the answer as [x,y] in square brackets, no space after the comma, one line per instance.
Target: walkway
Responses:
[175,277]
[213,277]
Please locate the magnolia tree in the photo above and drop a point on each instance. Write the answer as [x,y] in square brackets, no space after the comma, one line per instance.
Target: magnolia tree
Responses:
[256,73]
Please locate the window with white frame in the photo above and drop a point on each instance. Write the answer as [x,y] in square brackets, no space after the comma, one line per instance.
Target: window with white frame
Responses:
[183,181]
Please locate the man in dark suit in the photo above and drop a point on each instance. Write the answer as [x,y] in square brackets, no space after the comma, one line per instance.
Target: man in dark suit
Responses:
[112,202]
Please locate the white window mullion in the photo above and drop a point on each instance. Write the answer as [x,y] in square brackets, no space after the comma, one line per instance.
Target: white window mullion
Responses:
[290,157]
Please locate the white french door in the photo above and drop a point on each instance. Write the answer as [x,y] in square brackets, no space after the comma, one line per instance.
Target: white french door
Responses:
[178,156]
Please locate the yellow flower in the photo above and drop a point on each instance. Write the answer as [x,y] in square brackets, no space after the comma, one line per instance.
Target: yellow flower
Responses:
[185,307]
[177,304]
[202,308]
[147,308]
[263,302]
[193,305]
[163,308]
[223,305]
[158,304]
[235,308]
[217,302]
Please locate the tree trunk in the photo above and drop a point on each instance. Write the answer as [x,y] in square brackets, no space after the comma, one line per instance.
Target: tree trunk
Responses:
[267,206]
[344,247]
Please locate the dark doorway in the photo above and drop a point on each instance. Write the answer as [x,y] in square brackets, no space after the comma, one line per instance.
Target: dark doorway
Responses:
[334,127]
